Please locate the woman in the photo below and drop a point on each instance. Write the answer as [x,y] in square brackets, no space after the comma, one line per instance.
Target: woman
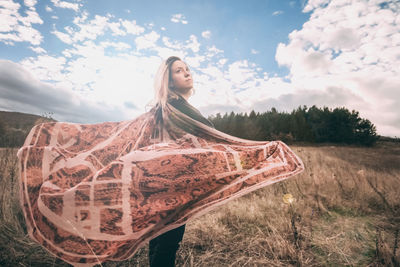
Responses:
[162,249]
[98,192]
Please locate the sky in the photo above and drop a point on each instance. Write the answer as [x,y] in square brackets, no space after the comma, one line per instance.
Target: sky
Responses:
[93,61]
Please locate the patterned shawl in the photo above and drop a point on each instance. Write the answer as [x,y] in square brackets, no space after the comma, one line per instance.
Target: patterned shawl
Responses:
[97,192]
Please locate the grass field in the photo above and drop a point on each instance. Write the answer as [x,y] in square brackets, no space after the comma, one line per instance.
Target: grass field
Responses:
[345,212]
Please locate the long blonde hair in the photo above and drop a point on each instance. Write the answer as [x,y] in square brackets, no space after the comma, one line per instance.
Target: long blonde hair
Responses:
[162,83]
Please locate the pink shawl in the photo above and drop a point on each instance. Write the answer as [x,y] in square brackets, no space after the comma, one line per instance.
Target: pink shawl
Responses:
[97,192]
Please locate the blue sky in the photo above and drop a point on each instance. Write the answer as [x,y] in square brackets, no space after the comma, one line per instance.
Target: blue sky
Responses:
[94,61]
[237,26]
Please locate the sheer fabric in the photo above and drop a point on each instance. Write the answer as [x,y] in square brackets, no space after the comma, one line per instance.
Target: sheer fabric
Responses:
[97,192]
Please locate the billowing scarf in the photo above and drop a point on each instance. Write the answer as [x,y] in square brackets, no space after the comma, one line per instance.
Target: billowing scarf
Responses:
[97,192]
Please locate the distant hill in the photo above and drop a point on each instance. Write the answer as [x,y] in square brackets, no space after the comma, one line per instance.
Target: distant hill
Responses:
[15,126]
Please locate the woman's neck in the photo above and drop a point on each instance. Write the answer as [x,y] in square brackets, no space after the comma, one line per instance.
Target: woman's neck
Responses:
[185,95]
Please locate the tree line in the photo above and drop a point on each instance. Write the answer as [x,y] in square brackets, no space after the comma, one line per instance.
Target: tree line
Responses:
[314,125]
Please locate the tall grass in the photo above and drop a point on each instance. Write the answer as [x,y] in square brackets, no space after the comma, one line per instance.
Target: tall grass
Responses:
[346,212]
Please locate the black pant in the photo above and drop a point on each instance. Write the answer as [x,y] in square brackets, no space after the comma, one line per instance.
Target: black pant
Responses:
[162,249]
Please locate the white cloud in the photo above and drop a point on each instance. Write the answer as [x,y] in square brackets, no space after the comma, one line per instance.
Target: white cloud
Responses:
[179,18]
[239,72]
[62,36]
[31,18]
[116,45]
[171,47]
[98,26]
[193,44]
[18,28]
[165,52]
[212,51]
[222,61]
[45,67]
[92,30]
[87,49]
[277,13]
[48,9]
[237,86]
[88,30]
[131,27]
[65,4]
[195,61]
[147,41]
[115,28]
[314,4]
[352,45]
[254,52]
[30,3]
[37,49]
[206,34]
[83,16]
[172,44]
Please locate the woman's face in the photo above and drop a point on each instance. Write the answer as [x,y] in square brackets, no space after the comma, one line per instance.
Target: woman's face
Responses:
[182,80]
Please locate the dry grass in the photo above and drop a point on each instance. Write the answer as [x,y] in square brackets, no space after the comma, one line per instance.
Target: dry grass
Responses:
[346,213]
